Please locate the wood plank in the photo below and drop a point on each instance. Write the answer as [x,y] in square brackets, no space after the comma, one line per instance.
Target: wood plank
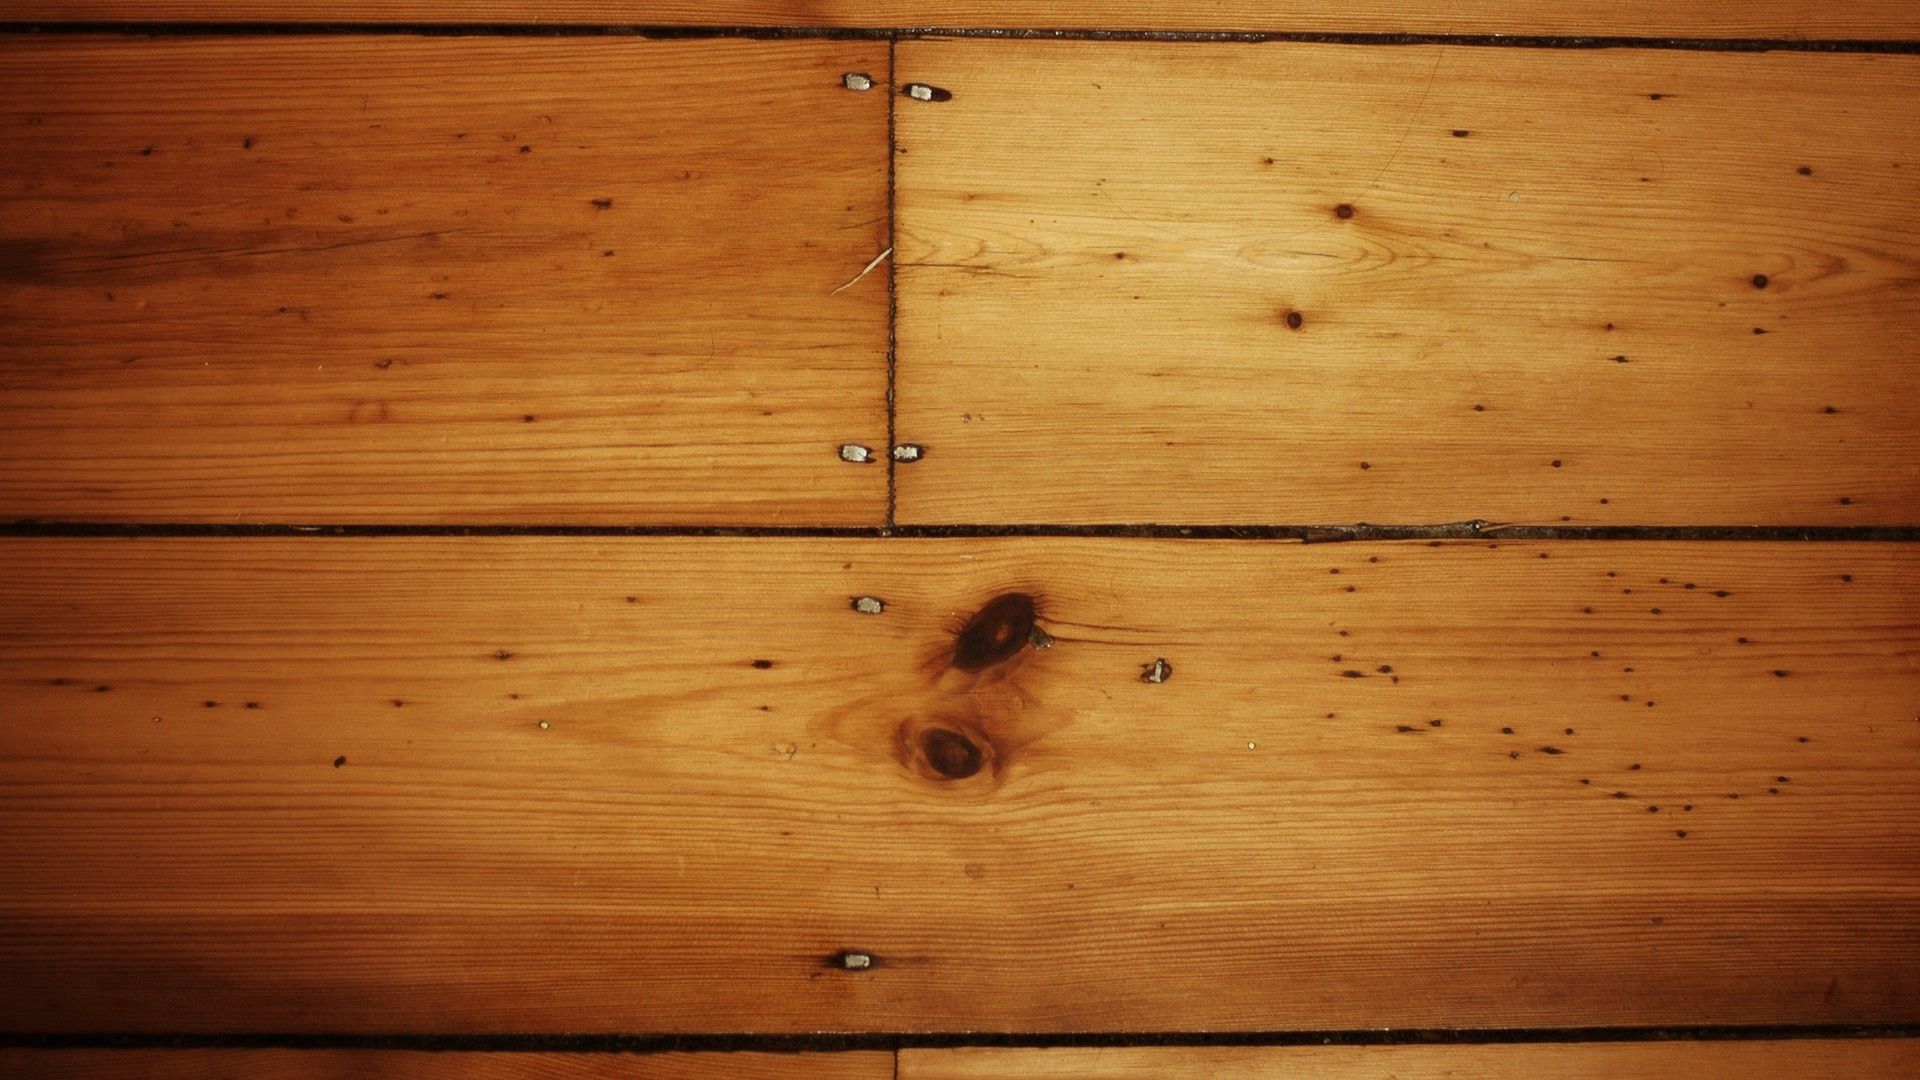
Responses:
[1301,284]
[535,784]
[436,1065]
[1706,18]
[422,280]
[1865,1059]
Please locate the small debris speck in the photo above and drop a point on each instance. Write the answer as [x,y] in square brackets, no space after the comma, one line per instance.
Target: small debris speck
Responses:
[1157,672]
[339,761]
[869,605]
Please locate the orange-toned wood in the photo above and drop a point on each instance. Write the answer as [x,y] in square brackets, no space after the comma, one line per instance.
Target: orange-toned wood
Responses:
[1301,283]
[1709,18]
[543,784]
[436,1065]
[420,280]
[1813,1059]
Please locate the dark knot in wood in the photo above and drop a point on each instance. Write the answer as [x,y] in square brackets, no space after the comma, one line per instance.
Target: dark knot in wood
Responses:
[996,633]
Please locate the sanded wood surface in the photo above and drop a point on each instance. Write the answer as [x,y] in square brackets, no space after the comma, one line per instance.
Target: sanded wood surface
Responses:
[419,280]
[1304,283]
[437,1065]
[576,784]
[1812,1059]
[1706,18]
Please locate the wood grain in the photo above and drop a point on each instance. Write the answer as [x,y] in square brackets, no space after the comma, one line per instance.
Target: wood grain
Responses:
[440,785]
[1705,18]
[424,280]
[1305,284]
[436,1065]
[1814,1059]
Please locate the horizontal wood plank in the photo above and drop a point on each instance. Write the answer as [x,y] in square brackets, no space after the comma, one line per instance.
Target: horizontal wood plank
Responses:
[1707,18]
[436,1065]
[423,280]
[572,784]
[1811,1059]
[1300,283]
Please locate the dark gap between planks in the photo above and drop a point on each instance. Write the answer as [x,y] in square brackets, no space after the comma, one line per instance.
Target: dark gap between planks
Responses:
[818,1042]
[1311,534]
[432,29]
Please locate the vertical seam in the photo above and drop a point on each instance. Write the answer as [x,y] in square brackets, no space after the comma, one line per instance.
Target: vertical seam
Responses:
[893,301]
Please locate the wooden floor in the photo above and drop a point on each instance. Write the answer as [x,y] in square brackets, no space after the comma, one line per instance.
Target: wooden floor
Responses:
[948,541]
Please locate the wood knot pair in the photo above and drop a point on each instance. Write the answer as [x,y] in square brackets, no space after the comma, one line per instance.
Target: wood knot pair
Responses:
[954,740]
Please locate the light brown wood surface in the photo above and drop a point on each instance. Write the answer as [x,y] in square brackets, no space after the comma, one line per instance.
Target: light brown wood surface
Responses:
[1707,18]
[1303,283]
[547,784]
[1813,1059]
[424,280]
[437,1065]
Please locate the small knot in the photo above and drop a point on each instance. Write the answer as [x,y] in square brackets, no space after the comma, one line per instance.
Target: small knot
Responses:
[996,633]
[950,754]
